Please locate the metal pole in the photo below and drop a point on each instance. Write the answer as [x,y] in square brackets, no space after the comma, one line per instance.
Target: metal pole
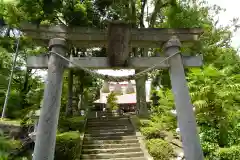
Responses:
[47,127]
[185,115]
[10,80]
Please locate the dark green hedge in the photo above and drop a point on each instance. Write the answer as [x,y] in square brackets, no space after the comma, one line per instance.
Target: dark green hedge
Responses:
[8,144]
[160,149]
[231,153]
[71,124]
[67,146]
[152,132]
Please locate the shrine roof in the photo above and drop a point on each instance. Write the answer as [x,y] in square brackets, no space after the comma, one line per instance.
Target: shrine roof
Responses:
[121,99]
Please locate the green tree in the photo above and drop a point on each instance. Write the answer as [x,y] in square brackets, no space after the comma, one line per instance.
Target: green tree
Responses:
[215,96]
[112,101]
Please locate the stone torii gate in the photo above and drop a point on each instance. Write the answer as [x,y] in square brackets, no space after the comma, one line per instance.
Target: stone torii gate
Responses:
[58,36]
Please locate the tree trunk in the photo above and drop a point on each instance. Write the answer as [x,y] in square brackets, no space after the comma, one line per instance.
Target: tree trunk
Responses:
[68,111]
[141,18]
[25,89]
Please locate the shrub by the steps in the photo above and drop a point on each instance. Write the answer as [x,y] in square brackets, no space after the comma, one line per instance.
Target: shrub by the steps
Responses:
[6,146]
[231,153]
[139,122]
[67,145]
[209,149]
[153,132]
[160,149]
[71,124]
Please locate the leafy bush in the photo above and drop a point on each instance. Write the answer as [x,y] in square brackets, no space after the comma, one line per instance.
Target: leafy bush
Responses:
[232,153]
[112,101]
[209,149]
[10,122]
[71,124]
[6,146]
[160,149]
[12,110]
[144,122]
[209,134]
[215,96]
[157,127]
[67,146]
[166,121]
[152,132]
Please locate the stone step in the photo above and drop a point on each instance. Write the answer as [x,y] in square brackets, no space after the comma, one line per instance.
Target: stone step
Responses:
[103,142]
[110,137]
[103,115]
[110,134]
[108,124]
[116,155]
[111,129]
[105,132]
[133,158]
[111,150]
[107,119]
[108,127]
[107,146]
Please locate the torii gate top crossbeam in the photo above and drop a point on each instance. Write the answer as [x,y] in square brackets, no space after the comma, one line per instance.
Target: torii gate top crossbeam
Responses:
[89,37]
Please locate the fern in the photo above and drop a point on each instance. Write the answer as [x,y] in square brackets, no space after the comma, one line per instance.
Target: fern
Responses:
[200,103]
[215,93]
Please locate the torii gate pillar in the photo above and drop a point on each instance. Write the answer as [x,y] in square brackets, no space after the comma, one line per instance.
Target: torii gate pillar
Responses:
[46,136]
[185,115]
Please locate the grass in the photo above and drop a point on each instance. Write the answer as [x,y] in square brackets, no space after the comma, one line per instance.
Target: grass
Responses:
[10,122]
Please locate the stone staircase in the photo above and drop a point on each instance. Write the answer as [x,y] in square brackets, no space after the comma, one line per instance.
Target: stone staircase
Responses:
[111,138]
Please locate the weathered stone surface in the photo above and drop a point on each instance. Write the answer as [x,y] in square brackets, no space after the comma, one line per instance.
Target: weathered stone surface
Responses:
[118,44]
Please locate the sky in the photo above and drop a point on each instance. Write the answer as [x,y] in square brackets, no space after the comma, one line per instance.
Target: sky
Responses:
[232,10]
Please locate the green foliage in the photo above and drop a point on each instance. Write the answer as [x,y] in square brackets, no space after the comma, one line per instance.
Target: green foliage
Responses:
[71,124]
[231,153]
[112,101]
[215,95]
[10,122]
[67,146]
[166,102]
[160,149]
[12,110]
[161,115]
[152,132]
[6,146]
[214,88]
[209,149]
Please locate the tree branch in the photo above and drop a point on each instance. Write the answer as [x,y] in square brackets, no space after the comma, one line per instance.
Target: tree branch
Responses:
[133,14]
[158,6]
[16,80]
[141,18]
[61,21]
